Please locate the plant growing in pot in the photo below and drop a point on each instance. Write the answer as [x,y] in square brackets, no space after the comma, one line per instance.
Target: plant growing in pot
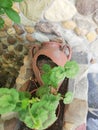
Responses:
[39,112]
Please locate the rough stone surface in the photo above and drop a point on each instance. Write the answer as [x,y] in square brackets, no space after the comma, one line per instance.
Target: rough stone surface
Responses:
[75,113]
[92,124]
[81,89]
[29,29]
[95,17]
[81,127]
[60,11]
[80,32]
[3,34]
[8,116]
[48,28]
[34,13]
[76,42]
[30,38]
[80,57]
[85,22]
[10,124]
[8,22]
[40,37]
[19,30]
[25,74]
[11,40]
[11,31]
[85,7]
[93,90]
[94,48]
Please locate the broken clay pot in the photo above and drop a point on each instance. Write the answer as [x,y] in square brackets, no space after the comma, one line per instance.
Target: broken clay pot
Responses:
[57,52]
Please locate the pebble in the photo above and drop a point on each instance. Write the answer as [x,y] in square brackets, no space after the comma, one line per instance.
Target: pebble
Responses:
[11,48]
[30,38]
[29,29]
[48,28]
[69,25]
[4,41]
[19,38]
[8,22]
[11,31]
[40,37]
[80,31]
[11,40]
[18,28]
[3,34]
[91,36]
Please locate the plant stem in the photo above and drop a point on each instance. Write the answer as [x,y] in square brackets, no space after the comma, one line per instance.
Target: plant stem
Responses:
[31,115]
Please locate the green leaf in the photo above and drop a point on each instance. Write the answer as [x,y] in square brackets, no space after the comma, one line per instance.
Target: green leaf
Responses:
[1,23]
[1,11]
[42,91]
[23,95]
[17,0]
[25,103]
[46,67]
[45,78]
[8,100]
[68,98]
[71,69]
[12,14]
[6,3]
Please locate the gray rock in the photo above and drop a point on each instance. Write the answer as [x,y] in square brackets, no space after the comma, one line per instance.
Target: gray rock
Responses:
[81,84]
[75,114]
[94,48]
[8,116]
[40,37]
[48,28]
[86,23]
[80,57]
[85,7]
[92,124]
[77,43]
[93,90]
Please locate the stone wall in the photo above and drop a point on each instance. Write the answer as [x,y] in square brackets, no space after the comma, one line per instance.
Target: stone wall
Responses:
[67,21]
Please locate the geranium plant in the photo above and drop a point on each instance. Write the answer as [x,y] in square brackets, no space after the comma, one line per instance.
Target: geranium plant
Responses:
[39,112]
[6,8]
